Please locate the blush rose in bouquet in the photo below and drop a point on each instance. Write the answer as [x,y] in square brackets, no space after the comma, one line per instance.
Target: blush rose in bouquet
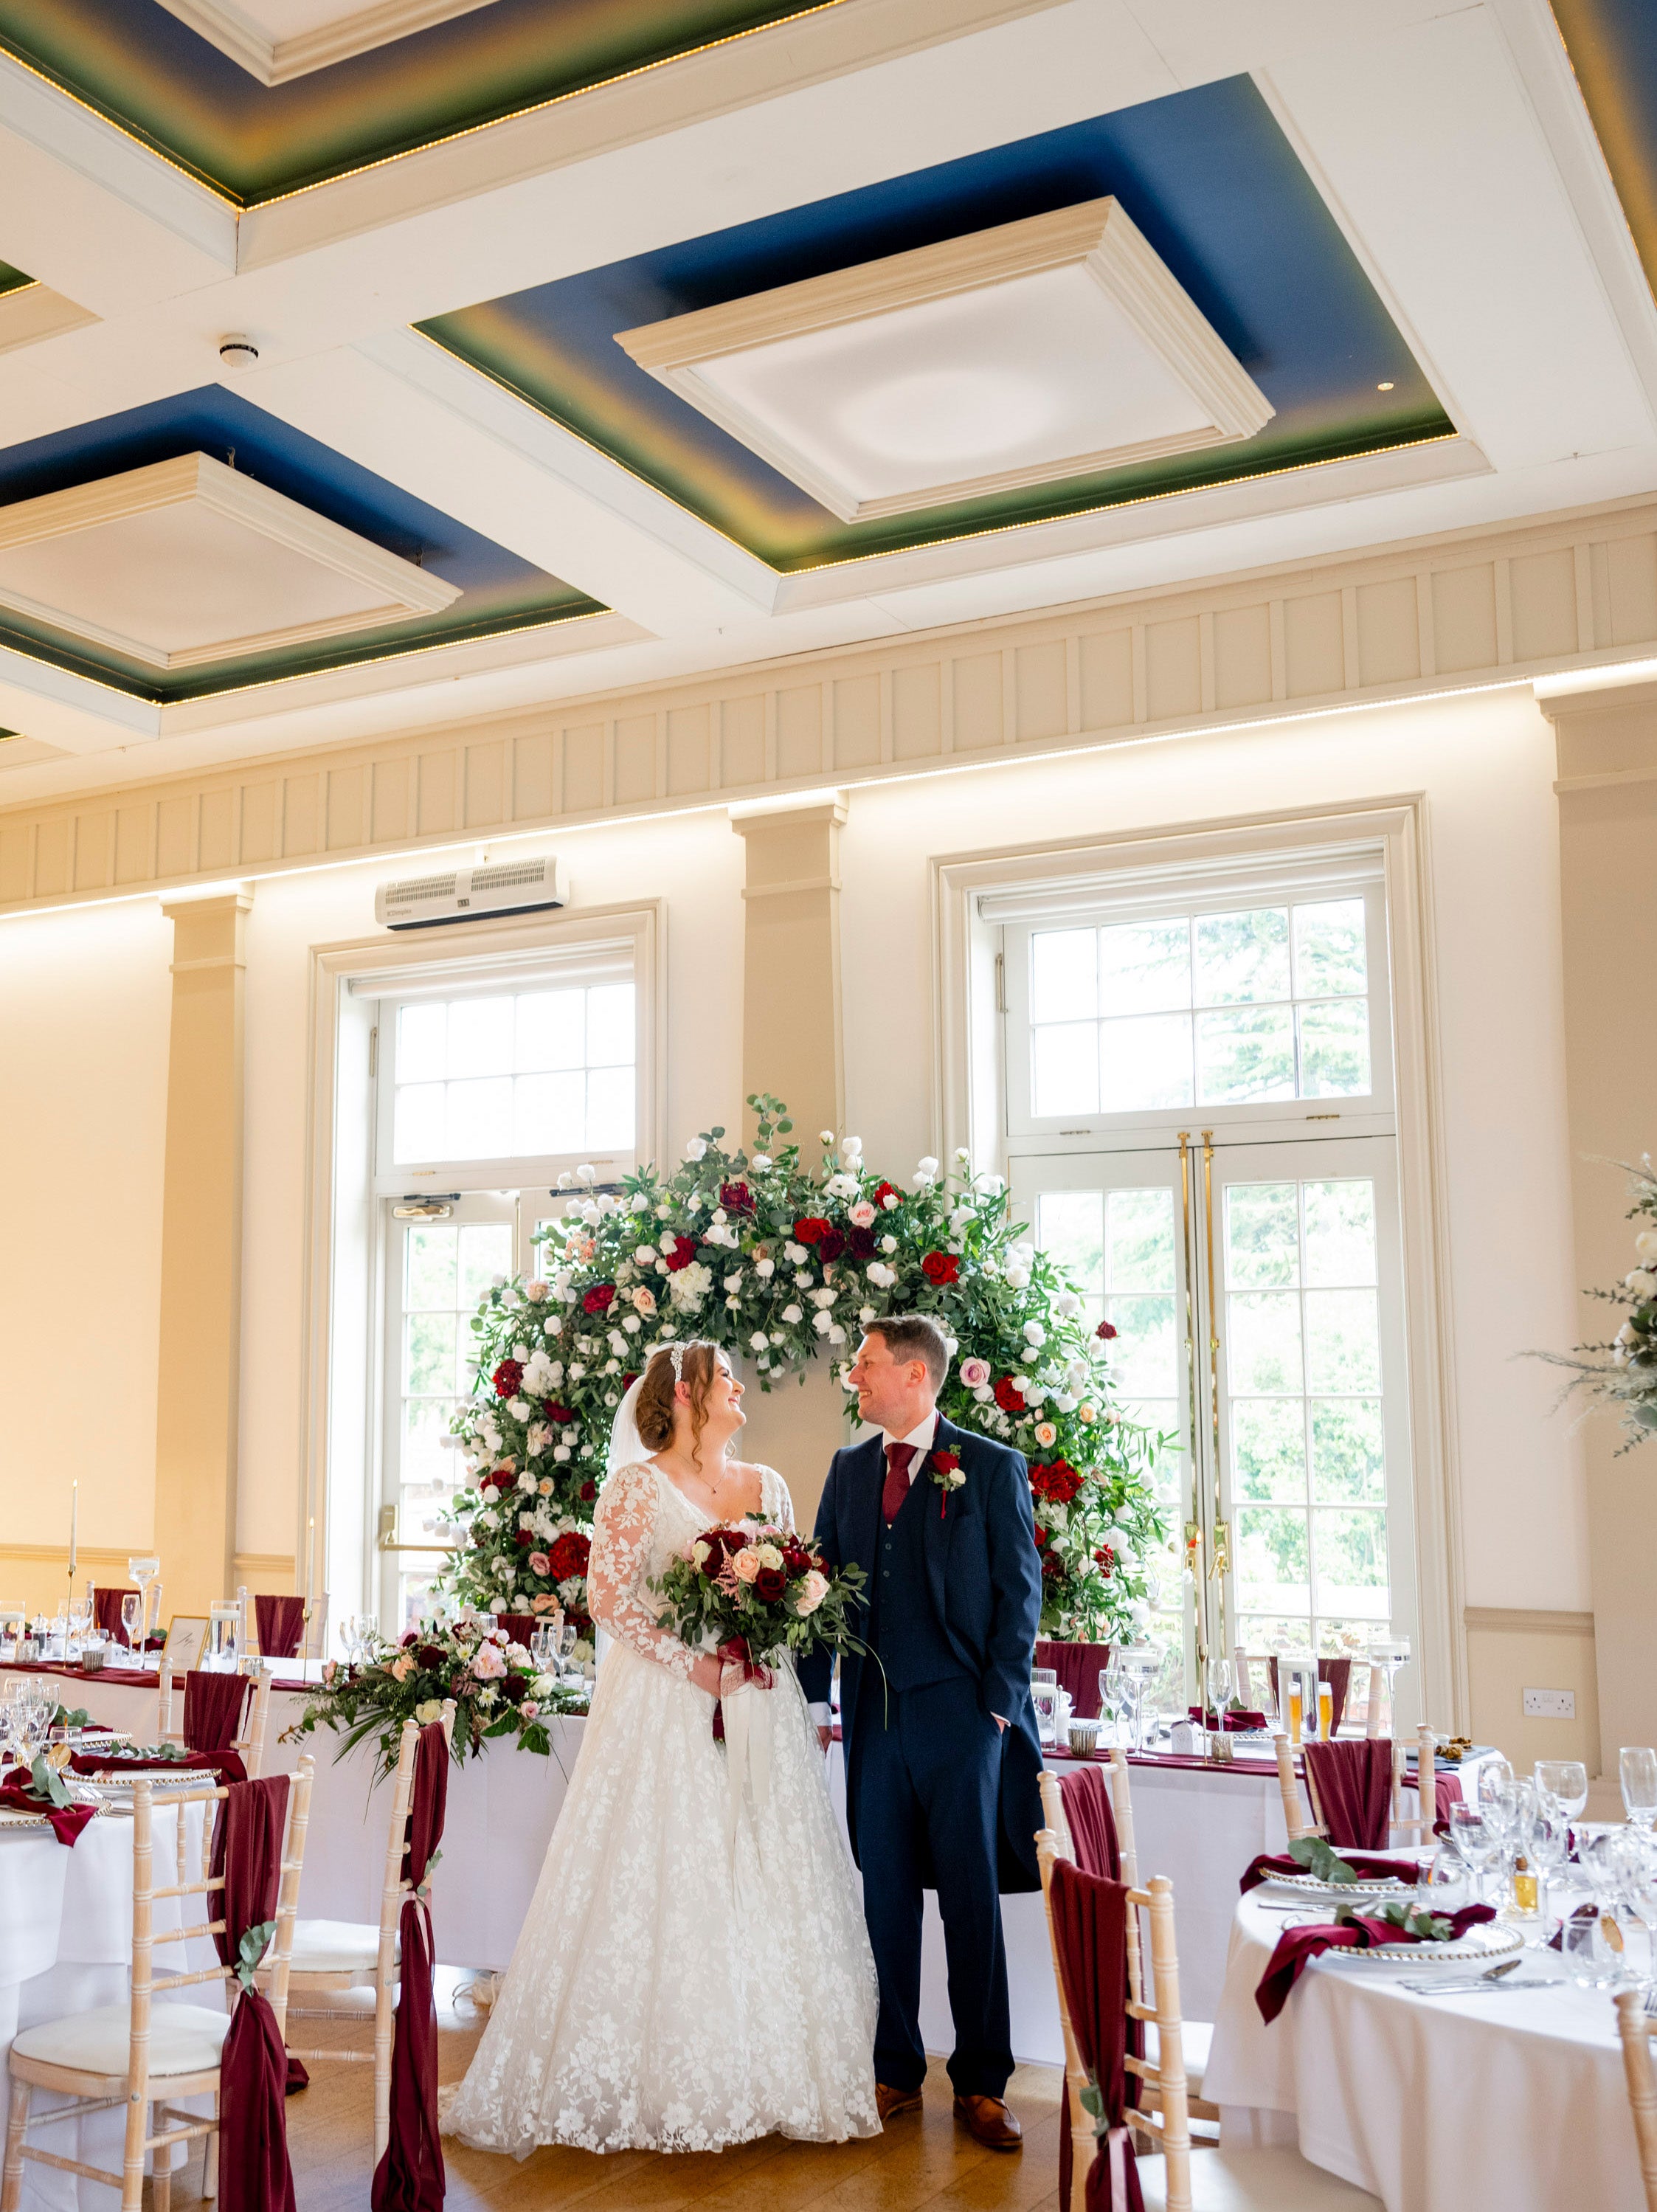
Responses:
[750,1592]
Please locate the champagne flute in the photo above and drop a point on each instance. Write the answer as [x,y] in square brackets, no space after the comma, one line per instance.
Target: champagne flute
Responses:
[1637,1765]
[132,1614]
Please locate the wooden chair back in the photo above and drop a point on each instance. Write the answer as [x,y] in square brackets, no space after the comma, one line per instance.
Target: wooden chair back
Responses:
[1164,2119]
[1635,2025]
[1404,1827]
[256,1716]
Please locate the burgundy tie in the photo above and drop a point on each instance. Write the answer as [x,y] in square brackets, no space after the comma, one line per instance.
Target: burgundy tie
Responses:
[897,1480]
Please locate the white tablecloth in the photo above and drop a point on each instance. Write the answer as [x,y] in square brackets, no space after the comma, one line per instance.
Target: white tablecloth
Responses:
[1432,2104]
[66,1946]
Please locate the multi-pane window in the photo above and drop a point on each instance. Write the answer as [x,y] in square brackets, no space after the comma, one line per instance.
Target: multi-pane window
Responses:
[1189,1011]
[522,1074]
[1304,1384]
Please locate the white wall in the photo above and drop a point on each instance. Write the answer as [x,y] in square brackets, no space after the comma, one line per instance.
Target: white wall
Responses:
[695,862]
[1487,765]
[85,1009]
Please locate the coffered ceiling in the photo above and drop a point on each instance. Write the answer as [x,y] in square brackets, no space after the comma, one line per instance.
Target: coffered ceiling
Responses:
[590,343]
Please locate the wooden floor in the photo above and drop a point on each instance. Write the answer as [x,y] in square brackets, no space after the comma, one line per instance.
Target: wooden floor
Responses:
[924,2160]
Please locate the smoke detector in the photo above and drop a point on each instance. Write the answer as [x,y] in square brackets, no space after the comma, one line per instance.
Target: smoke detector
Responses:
[237,350]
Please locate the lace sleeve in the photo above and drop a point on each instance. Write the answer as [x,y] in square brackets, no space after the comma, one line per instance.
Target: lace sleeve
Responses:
[776,1502]
[623,1524]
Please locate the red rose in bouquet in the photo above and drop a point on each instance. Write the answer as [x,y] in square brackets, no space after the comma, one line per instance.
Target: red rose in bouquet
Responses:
[886,1196]
[941,1267]
[507,1377]
[1104,1559]
[769,1583]
[831,1246]
[735,1198]
[1040,1537]
[812,1229]
[1056,1481]
[1052,1563]
[1105,1331]
[560,1416]
[599,1299]
[677,1252]
[1009,1396]
[567,1555]
[863,1243]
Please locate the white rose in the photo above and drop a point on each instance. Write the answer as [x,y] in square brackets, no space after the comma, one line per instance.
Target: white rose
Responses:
[851,1148]
[825,1136]
[1067,1305]
[639,1202]
[836,1334]
[765,1269]
[822,1321]
[695,1150]
[1017,1279]
[560,1453]
[733,1282]
[1033,1332]
[767,1555]
[865,1315]
[792,1316]
[796,1255]
[881,1275]
[928,1166]
[889,1243]
[632,1324]
[1642,1282]
[431,1710]
[518,1409]
[1646,1243]
[920,1180]
[1046,1434]
[890,1201]
[758,1339]
[759,1161]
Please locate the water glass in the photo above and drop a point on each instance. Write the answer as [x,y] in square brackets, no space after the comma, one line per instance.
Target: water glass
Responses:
[1472,1836]
[1447,1884]
[1586,1956]
[1566,1781]
[1637,1765]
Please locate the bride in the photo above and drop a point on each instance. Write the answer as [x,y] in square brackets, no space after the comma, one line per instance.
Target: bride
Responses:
[693,1970]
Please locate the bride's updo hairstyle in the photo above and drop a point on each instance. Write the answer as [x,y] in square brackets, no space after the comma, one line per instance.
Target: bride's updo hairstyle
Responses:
[654,1411]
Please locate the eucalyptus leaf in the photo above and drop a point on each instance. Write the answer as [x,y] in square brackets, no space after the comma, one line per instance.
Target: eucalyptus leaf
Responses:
[1319,1859]
[45,1781]
[252,1948]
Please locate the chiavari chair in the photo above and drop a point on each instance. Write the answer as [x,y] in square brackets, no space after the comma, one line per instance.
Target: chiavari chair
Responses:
[1636,2027]
[140,2056]
[332,1956]
[249,1744]
[1222,2180]
[1404,1827]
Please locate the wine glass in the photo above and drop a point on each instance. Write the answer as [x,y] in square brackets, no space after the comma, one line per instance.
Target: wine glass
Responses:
[1546,1839]
[1566,1781]
[1475,1841]
[132,1614]
[1219,1688]
[1637,1765]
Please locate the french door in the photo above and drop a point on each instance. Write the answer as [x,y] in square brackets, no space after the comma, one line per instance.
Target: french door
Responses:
[1257,1292]
[440,1256]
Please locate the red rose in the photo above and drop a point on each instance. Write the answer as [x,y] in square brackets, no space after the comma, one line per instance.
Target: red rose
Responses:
[1057,1481]
[514,1688]
[507,1377]
[831,1246]
[560,1416]
[569,1555]
[811,1229]
[863,1243]
[630,1378]
[945,1461]
[720,1543]
[797,1559]
[408,1636]
[677,1252]
[884,1191]
[599,1299]
[430,1656]
[735,1198]
[1051,1565]
[589,1489]
[1040,1536]
[525,1538]
[1104,1559]
[769,1583]
[1009,1396]
[941,1267]
[1105,1331]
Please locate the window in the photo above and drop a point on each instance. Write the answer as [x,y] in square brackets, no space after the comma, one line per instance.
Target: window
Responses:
[1198,1097]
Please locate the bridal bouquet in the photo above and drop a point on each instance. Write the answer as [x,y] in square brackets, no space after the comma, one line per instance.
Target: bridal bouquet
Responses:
[750,1592]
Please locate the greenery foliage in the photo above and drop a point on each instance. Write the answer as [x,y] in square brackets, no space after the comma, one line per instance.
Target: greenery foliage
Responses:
[1621,1373]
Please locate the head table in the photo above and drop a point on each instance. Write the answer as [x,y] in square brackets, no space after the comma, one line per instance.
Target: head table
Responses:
[1433,2104]
[1198,1822]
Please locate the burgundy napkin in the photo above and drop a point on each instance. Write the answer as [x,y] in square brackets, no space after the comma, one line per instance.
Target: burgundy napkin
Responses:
[107,1610]
[254,2173]
[67,1821]
[1090,1926]
[1352,1785]
[1338,1673]
[410,2177]
[1077,1667]
[1363,1862]
[224,1765]
[1234,1720]
[281,1623]
[1298,1947]
[212,1710]
[1092,1828]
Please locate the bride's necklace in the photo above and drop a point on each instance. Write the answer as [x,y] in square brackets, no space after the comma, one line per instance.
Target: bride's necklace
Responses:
[718,1493]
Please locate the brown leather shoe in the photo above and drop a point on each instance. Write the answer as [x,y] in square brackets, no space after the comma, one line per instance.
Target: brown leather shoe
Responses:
[989,2121]
[890,2102]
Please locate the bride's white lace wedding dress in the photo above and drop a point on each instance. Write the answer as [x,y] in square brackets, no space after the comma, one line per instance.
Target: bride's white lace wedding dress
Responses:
[674,1988]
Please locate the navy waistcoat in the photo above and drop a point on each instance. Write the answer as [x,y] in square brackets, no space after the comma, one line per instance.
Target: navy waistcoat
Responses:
[904,1628]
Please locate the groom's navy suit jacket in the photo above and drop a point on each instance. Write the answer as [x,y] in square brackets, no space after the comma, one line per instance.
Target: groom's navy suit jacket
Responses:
[983,1584]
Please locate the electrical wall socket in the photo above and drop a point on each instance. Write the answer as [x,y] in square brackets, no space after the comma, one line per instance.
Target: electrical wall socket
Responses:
[1550,1705]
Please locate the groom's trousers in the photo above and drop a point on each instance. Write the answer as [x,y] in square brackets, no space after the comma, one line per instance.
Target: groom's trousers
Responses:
[928,1780]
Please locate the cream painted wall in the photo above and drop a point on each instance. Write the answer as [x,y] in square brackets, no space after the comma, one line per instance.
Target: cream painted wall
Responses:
[85,1002]
[695,862]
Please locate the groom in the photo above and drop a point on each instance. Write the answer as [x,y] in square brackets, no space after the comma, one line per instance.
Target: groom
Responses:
[942,1753]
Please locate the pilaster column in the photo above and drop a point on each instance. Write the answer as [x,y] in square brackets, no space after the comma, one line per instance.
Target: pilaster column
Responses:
[791,1041]
[197,1400]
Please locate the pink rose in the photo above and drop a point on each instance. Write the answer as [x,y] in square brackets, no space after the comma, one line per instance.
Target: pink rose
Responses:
[540,1563]
[746,1566]
[487,1664]
[402,1666]
[1046,1434]
[862,1215]
[813,1588]
[529,1709]
[974,1373]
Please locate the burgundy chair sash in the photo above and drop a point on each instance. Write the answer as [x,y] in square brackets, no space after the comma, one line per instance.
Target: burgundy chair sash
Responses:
[1077,1667]
[1447,1791]
[254,2173]
[1352,1786]
[1298,1947]
[1089,1924]
[520,1627]
[213,1707]
[1092,1821]
[281,1623]
[411,2177]
[1338,1673]
[107,1610]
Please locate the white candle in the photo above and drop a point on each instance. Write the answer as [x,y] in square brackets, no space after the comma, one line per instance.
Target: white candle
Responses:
[73,1523]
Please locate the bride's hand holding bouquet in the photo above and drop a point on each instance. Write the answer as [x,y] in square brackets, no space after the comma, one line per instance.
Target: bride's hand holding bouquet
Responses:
[747,1594]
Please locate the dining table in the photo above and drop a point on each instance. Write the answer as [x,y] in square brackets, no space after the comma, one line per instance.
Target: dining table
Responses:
[1511,2096]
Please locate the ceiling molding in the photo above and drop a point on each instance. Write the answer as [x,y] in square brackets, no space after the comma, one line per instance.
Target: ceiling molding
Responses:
[278,60]
[1097,237]
[34,312]
[198,482]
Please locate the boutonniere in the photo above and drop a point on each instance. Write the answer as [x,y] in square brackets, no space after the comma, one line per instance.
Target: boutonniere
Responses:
[946,1471]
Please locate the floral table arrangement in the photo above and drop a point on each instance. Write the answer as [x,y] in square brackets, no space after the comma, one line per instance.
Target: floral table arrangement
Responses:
[497,1688]
[774,1260]
[1621,1372]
